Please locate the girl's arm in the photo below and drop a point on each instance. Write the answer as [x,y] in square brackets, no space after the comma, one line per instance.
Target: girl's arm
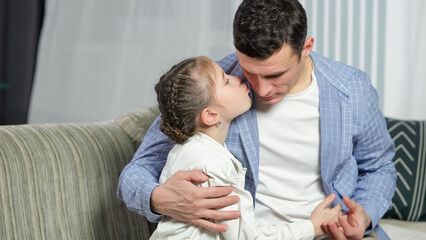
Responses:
[246,228]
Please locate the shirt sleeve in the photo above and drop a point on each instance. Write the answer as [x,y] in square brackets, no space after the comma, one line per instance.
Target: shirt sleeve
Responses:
[245,227]
[374,151]
[139,178]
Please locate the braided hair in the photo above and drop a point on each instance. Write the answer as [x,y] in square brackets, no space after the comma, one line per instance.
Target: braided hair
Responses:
[182,93]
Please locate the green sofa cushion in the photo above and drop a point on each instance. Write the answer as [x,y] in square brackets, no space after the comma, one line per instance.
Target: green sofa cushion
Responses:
[59,181]
[137,123]
[408,202]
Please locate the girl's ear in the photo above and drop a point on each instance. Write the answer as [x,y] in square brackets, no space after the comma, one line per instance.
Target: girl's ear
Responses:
[209,116]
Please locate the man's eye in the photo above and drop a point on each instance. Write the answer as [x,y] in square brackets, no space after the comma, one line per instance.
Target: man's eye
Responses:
[227,81]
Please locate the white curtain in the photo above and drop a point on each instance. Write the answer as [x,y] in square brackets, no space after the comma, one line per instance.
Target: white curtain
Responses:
[405,86]
[99,59]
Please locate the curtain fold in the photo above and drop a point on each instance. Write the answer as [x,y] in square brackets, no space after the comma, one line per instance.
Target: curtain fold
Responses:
[405,87]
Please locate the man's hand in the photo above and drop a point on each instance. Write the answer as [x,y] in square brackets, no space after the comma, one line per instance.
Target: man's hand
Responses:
[182,200]
[333,231]
[352,225]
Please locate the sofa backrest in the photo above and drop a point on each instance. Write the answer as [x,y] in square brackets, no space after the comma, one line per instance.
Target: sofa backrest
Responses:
[137,123]
[59,181]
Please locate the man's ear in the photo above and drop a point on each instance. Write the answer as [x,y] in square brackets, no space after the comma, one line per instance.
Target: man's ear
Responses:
[307,47]
[209,116]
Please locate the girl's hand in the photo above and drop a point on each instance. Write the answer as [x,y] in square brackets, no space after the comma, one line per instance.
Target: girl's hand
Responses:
[324,214]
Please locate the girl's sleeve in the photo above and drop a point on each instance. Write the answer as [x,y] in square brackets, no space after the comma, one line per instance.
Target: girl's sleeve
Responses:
[245,227]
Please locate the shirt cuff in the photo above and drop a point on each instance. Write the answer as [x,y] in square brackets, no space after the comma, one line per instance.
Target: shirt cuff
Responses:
[146,204]
[303,230]
[374,220]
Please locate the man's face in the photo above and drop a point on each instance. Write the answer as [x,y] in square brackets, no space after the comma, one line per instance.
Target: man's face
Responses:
[274,77]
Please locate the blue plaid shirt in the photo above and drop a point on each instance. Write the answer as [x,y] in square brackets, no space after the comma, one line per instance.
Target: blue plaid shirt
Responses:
[356,148]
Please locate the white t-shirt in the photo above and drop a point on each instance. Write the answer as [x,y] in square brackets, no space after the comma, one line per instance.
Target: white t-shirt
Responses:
[204,153]
[290,184]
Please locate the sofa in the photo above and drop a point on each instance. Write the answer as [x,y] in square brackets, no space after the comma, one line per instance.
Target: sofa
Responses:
[59,181]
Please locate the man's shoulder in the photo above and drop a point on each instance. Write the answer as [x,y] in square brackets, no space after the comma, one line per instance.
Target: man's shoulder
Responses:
[330,66]
[229,60]
[337,73]
[231,65]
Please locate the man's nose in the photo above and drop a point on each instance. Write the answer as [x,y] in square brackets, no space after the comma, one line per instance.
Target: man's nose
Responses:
[263,87]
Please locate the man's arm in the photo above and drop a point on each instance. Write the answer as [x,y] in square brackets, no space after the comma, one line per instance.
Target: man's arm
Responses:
[374,151]
[140,177]
[178,197]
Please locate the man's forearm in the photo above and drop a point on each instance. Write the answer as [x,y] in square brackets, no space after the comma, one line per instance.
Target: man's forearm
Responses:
[374,151]
[135,191]
[140,177]
[377,188]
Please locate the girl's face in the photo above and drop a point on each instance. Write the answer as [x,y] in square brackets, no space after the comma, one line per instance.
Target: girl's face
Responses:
[232,95]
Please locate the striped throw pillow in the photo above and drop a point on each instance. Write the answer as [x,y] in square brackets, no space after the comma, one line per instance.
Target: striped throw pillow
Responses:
[409,202]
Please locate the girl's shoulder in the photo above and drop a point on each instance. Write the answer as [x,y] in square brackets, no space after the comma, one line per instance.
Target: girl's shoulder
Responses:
[199,153]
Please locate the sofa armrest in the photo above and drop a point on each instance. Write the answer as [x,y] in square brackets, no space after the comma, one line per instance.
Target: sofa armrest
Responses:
[58,181]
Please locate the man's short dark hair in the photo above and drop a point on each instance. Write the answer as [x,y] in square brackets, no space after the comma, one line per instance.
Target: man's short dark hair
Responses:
[262,27]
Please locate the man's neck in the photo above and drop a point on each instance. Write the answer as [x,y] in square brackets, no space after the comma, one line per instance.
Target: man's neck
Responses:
[305,78]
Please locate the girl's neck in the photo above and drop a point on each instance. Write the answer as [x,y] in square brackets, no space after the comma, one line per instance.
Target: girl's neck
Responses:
[217,132]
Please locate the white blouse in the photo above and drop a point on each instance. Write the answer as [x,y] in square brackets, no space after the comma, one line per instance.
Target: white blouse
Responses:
[204,153]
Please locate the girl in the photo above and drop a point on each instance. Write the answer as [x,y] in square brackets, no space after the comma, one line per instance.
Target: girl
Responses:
[198,101]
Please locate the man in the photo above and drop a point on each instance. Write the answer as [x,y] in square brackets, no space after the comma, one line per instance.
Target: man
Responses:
[315,128]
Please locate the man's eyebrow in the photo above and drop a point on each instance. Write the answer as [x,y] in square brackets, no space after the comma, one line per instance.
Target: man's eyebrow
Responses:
[277,74]
[273,75]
